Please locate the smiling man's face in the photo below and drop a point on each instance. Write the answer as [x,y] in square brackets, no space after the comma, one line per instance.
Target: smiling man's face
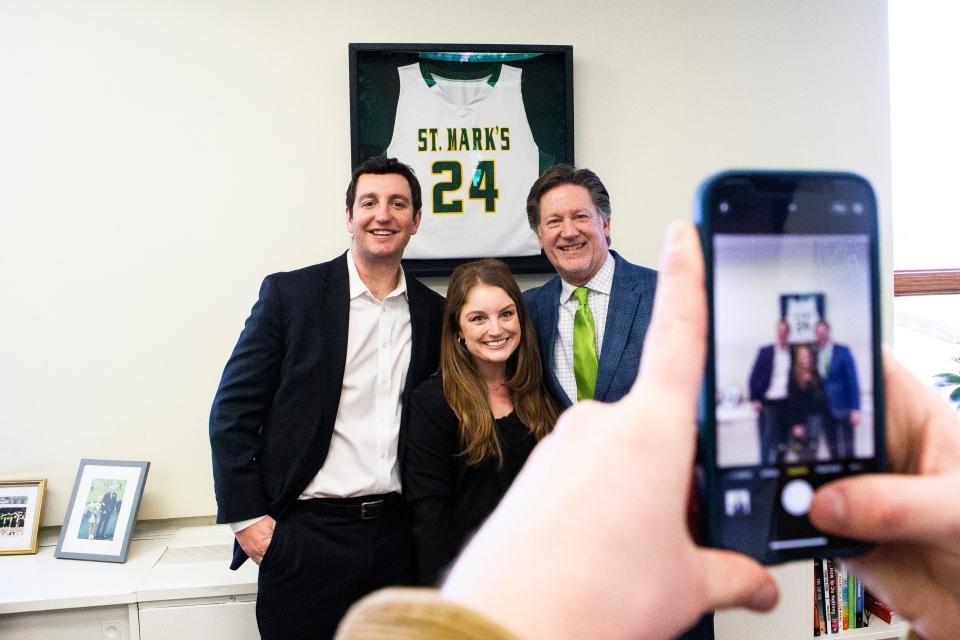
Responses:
[573,233]
[383,219]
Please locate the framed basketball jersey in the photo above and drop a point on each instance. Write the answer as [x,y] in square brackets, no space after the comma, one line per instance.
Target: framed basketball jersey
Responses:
[478,124]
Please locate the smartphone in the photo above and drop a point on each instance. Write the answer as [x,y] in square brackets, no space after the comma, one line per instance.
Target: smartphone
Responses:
[793,388]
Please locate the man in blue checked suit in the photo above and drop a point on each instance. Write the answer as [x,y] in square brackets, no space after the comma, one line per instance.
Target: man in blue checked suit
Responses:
[838,370]
[569,209]
[590,320]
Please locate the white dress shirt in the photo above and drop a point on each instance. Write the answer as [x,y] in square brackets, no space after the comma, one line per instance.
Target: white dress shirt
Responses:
[598,299]
[824,355]
[779,375]
[362,459]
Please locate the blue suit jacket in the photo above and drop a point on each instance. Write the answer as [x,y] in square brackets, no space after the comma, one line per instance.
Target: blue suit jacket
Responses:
[840,384]
[628,316]
[761,373]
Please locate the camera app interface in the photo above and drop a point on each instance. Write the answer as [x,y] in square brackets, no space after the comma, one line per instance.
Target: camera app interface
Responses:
[794,379]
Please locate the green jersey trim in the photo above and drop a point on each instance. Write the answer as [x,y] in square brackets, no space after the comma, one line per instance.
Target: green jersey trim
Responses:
[478,73]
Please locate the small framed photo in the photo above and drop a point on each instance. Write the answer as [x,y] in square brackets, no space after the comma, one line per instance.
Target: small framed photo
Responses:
[21,504]
[102,510]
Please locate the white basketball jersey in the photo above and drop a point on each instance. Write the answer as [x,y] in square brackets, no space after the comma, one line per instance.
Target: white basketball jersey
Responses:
[472,149]
[802,316]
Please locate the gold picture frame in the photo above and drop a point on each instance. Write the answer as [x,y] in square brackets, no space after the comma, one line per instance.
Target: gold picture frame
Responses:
[21,507]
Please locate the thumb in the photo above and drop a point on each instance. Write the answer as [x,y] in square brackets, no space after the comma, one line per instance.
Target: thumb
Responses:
[886,508]
[734,580]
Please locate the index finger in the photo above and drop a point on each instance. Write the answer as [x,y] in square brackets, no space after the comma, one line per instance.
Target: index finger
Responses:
[675,346]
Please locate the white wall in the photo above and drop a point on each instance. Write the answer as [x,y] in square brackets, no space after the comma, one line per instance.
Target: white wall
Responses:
[159,158]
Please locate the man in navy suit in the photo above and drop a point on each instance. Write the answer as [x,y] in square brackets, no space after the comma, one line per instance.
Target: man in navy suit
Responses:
[769,383]
[569,210]
[838,370]
[306,427]
[108,504]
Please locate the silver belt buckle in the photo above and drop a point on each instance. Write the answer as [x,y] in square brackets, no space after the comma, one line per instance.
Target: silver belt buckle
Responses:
[371,510]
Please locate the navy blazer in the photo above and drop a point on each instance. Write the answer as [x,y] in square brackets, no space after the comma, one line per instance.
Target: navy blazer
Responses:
[761,373]
[840,383]
[273,415]
[628,316]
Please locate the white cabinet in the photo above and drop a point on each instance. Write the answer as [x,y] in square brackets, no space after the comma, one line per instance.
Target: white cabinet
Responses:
[175,586]
[88,623]
[232,617]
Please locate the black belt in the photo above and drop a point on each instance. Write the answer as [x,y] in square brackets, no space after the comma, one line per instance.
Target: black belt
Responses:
[358,508]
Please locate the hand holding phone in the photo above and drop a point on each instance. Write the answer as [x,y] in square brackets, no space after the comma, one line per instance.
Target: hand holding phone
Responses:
[792,394]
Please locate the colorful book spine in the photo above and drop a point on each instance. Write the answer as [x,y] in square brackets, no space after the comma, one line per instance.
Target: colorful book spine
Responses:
[816,615]
[852,600]
[859,604]
[834,593]
[844,597]
[827,618]
[821,618]
[876,607]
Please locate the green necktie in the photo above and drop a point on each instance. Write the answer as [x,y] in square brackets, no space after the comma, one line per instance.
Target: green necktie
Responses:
[584,347]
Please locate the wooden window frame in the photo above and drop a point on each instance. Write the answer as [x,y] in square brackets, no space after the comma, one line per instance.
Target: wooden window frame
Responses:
[926,282]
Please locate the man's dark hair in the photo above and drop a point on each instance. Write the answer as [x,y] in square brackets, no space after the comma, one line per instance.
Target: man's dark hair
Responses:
[382,165]
[566,174]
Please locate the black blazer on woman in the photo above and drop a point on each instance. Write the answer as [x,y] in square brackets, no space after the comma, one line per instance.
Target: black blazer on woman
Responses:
[273,415]
[805,401]
[448,499]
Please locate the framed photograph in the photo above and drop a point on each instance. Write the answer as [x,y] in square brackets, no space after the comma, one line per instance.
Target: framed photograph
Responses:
[802,311]
[21,504]
[102,510]
[478,123]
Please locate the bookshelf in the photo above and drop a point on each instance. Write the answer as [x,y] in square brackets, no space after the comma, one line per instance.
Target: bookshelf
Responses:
[792,619]
[878,630]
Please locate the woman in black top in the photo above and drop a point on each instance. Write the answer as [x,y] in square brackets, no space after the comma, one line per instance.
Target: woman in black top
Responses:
[807,408]
[473,424]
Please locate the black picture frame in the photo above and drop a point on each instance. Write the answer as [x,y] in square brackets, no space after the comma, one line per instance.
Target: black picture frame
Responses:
[102,510]
[802,326]
[547,95]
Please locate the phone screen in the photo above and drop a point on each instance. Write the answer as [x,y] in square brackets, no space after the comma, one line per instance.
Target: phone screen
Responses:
[793,387]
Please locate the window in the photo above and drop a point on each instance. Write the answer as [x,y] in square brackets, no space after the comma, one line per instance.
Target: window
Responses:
[925,103]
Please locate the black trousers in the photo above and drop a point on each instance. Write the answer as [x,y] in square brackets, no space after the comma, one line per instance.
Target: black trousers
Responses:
[319,564]
[773,430]
[843,438]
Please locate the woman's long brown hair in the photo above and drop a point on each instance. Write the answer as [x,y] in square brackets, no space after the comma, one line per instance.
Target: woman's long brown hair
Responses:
[465,390]
[804,376]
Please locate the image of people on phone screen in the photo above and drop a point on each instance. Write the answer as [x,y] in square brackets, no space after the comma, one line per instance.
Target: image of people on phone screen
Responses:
[793,370]
[798,398]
